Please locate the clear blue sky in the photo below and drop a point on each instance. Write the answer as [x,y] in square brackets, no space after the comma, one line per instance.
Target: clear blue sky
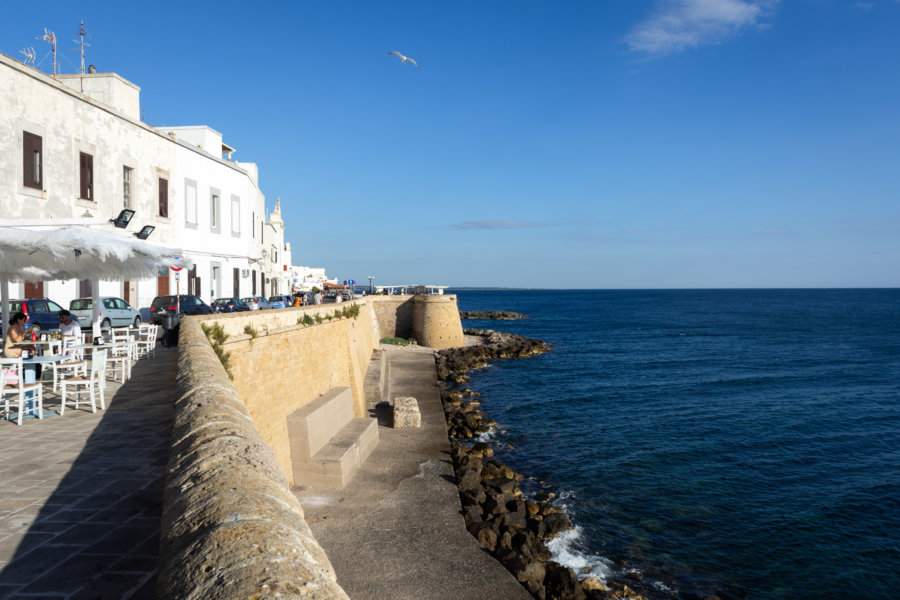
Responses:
[607,144]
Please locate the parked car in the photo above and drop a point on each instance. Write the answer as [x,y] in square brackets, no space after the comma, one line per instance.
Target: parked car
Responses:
[226,305]
[256,302]
[190,305]
[42,313]
[114,312]
[277,302]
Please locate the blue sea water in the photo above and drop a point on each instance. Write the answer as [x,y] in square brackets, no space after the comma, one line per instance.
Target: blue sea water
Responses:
[744,443]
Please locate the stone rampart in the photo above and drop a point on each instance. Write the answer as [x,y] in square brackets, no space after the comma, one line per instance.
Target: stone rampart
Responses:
[231,527]
[432,321]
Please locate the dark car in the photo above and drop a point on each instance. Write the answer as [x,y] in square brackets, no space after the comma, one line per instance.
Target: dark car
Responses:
[189,305]
[226,305]
[42,313]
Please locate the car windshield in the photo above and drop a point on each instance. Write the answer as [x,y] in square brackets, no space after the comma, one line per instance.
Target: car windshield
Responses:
[81,304]
[248,300]
[276,299]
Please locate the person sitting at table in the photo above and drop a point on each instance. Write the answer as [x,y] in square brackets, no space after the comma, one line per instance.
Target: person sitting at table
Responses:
[69,327]
[15,334]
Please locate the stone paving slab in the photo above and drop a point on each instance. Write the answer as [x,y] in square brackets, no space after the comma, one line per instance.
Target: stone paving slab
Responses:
[81,498]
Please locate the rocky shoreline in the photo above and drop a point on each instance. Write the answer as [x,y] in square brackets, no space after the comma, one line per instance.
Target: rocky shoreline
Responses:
[507,524]
[496,315]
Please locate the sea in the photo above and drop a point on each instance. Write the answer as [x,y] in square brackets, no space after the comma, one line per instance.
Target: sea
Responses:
[729,443]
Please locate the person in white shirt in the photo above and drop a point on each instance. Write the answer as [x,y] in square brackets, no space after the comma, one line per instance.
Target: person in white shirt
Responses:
[69,326]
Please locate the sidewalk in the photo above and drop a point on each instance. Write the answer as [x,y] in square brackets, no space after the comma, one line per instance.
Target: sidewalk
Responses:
[81,493]
[396,531]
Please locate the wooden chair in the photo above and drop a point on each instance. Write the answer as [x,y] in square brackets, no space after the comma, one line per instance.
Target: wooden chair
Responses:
[95,382]
[73,365]
[15,386]
[121,354]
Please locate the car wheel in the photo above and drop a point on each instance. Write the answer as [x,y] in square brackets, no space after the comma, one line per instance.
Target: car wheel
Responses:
[137,321]
[105,325]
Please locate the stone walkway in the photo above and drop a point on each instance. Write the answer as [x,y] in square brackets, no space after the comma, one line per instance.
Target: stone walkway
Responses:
[81,493]
[396,530]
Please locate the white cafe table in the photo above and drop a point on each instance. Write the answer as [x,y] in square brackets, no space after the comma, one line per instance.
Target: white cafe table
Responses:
[29,364]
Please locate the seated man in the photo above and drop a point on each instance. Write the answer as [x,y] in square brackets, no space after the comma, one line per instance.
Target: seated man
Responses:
[69,327]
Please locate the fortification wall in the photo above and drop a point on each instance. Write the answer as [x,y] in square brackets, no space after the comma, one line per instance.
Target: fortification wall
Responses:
[432,321]
[231,526]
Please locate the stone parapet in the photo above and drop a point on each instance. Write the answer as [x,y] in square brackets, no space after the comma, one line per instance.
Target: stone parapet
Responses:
[231,527]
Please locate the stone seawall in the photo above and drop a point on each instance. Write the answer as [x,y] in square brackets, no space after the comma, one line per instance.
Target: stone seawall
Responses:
[231,527]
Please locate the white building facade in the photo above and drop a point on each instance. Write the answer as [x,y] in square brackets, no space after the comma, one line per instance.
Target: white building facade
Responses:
[74,147]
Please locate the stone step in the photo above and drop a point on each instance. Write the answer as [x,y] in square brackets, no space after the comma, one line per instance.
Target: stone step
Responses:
[336,463]
[311,427]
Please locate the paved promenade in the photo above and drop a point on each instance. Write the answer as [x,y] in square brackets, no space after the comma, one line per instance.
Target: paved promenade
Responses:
[81,493]
[396,531]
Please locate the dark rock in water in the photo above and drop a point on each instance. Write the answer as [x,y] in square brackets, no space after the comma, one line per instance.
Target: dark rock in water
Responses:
[562,583]
[486,534]
[555,523]
[496,315]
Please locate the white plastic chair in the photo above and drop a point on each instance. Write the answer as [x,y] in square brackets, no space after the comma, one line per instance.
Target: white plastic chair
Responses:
[15,386]
[95,382]
[72,365]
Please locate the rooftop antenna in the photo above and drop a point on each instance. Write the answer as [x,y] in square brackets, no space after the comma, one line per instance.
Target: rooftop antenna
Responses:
[50,37]
[29,55]
[82,32]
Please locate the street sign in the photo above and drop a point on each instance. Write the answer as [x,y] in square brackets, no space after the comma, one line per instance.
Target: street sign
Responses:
[351,282]
[176,269]
[177,275]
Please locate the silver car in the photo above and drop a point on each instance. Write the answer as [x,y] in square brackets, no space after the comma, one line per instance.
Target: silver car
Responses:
[114,312]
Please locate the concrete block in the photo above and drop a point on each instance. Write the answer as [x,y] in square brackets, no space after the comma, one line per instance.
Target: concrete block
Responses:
[406,413]
[311,426]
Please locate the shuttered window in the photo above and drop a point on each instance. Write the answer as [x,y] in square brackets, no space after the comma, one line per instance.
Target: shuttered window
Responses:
[163,197]
[32,161]
[86,169]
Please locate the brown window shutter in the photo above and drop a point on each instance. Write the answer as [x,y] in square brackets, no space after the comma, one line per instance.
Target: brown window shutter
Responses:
[163,197]
[32,160]
[86,172]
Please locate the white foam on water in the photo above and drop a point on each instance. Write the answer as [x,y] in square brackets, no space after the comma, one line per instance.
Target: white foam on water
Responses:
[488,436]
[564,550]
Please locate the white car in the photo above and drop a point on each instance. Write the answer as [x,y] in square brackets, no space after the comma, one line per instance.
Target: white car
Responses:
[114,312]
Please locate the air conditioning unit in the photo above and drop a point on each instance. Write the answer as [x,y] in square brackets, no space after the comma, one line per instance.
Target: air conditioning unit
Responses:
[245,273]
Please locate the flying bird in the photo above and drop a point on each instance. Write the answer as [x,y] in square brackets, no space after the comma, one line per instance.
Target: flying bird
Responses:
[404,59]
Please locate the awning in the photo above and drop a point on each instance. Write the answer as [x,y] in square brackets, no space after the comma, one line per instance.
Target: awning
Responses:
[80,253]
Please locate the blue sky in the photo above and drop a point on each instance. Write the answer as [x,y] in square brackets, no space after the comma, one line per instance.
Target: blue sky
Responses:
[601,144]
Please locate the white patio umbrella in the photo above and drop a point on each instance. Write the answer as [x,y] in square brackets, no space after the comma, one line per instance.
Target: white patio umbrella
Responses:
[78,252]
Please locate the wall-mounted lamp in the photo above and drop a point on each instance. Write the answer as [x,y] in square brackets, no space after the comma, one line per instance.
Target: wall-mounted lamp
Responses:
[123,219]
[145,232]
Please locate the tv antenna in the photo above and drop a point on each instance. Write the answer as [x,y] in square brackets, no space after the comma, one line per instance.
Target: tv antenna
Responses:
[50,37]
[81,32]
[29,55]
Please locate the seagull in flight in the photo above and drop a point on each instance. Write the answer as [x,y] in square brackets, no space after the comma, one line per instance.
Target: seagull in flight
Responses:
[404,59]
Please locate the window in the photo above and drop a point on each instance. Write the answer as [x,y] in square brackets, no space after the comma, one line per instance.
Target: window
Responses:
[235,215]
[126,186]
[190,202]
[163,197]
[32,161]
[86,172]
[215,211]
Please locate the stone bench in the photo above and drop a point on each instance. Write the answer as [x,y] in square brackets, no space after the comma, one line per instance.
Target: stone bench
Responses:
[328,444]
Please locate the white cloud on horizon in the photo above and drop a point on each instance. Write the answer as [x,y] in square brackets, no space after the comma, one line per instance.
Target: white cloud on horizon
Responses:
[676,25]
[497,224]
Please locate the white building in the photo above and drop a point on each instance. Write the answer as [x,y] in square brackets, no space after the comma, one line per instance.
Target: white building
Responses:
[74,147]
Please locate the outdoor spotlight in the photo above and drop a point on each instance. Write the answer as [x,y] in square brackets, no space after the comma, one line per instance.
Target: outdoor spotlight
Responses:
[123,219]
[145,232]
